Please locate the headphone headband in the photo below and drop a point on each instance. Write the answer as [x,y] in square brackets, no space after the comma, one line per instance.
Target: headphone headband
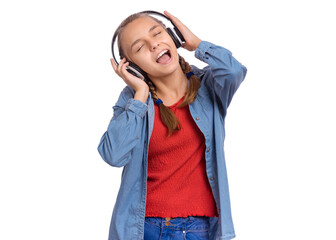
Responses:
[175,35]
[179,34]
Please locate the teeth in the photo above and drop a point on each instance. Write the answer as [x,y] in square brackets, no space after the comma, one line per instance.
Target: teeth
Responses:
[163,52]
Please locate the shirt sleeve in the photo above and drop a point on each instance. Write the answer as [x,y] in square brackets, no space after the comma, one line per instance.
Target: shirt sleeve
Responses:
[124,130]
[226,73]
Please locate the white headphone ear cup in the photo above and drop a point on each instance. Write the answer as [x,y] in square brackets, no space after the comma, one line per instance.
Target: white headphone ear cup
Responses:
[135,70]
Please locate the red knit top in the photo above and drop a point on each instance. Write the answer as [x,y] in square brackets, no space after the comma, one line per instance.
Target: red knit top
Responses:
[177,183]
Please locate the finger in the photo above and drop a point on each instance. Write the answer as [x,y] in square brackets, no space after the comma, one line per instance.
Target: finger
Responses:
[173,18]
[124,69]
[180,26]
[168,14]
[113,64]
[121,64]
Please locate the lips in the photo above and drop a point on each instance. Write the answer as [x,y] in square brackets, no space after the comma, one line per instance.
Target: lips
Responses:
[163,57]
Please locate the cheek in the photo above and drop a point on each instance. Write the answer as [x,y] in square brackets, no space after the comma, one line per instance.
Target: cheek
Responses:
[143,61]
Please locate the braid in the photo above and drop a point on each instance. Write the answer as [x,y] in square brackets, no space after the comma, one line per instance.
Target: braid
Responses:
[152,89]
[193,84]
[184,65]
[168,118]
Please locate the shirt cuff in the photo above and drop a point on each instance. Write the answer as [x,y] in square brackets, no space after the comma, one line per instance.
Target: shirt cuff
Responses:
[202,49]
[137,107]
[207,49]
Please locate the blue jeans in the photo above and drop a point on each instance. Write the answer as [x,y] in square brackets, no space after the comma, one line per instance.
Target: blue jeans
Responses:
[189,228]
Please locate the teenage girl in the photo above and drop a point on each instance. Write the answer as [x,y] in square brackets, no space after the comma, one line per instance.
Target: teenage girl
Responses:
[167,132]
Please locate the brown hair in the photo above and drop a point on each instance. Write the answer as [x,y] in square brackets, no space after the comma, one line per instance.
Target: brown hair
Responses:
[168,118]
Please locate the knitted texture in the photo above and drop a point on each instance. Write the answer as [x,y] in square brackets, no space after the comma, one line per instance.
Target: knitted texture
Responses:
[177,183]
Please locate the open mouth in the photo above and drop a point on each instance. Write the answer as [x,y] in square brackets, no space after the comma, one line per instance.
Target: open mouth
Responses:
[164,57]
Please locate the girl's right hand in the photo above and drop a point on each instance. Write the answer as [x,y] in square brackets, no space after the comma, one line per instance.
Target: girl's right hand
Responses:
[131,80]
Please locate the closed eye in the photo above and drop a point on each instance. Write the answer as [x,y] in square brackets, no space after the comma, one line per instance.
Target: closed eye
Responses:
[139,48]
[142,45]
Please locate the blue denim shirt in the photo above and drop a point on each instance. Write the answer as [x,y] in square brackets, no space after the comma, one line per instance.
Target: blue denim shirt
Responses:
[125,143]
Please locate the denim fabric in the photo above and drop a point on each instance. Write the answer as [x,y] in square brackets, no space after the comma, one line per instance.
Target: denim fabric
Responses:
[125,143]
[189,228]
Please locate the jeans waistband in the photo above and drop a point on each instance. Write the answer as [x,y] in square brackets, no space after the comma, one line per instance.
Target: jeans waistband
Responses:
[191,222]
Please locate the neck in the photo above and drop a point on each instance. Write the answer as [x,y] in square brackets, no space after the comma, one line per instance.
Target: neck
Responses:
[172,86]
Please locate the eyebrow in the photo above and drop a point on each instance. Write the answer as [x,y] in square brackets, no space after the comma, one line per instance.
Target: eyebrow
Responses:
[151,29]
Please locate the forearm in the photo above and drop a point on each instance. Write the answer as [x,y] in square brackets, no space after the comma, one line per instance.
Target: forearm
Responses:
[226,72]
[124,130]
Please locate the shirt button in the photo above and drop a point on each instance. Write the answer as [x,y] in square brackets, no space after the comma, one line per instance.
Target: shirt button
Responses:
[212,178]
[197,118]
[208,150]
[184,231]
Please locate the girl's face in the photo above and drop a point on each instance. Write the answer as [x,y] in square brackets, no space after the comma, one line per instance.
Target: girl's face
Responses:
[146,43]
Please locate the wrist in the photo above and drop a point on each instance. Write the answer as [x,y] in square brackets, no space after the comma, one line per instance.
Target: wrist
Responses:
[142,94]
[197,42]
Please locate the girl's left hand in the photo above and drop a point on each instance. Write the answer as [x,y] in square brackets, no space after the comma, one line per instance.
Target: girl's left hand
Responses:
[191,40]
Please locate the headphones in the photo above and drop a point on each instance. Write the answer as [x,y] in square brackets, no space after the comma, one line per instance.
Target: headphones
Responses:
[174,34]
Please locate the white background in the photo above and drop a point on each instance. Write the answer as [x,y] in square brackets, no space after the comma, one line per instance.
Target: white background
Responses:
[58,88]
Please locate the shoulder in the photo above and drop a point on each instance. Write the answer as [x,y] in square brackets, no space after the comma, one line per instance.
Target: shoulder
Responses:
[200,72]
[205,76]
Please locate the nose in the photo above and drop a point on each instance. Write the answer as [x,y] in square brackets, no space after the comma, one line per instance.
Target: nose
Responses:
[153,45]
